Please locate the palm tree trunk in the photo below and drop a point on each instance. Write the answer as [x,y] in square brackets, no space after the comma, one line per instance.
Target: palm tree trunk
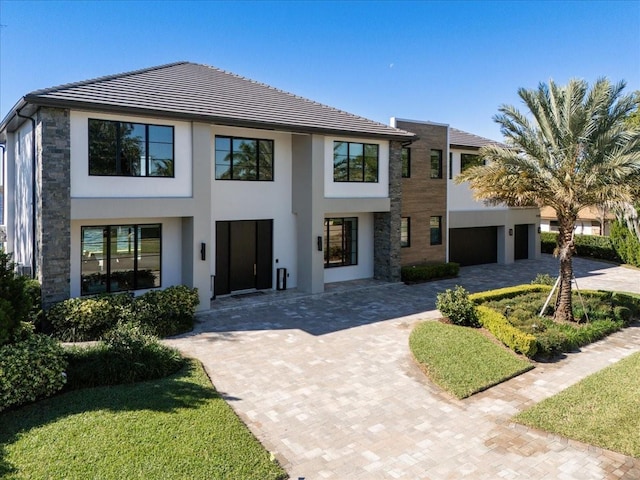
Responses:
[564,307]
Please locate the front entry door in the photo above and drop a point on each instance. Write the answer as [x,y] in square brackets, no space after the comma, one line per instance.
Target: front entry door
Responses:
[243,255]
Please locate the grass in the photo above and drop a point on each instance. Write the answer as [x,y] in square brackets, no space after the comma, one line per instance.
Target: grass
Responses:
[602,409]
[174,428]
[462,360]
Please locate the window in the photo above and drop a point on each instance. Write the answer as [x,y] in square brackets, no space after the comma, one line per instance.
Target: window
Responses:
[130,149]
[436,230]
[468,160]
[355,162]
[244,159]
[405,232]
[436,163]
[406,162]
[450,165]
[117,258]
[340,242]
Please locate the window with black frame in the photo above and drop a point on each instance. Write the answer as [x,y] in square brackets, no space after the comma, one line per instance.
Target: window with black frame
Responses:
[405,232]
[468,160]
[355,162]
[406,162]
[130,149]
[340,242]
[436,163]
[117,258]
[435,227]
[243,159]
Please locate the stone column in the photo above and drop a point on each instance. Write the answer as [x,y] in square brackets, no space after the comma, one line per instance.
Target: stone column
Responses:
[53,204]
[386,247]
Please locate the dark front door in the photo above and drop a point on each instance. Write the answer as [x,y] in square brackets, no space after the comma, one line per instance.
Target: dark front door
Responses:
[521,239]
[243,255]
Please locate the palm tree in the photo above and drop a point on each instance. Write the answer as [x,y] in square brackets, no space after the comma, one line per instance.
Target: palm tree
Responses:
[570,151]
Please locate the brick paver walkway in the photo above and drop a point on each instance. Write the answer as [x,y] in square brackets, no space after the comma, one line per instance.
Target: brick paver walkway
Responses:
[327,383]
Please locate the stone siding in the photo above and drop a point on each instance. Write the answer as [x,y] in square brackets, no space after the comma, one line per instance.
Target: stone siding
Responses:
[53,204]
[386,246]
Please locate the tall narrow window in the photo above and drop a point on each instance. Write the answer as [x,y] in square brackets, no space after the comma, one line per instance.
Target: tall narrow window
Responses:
[450,166]
[405,232]
[355,162]
[436,230]
[436,163]
[340,242]
[130,149]
[118,258]
[244,159]
[406,162]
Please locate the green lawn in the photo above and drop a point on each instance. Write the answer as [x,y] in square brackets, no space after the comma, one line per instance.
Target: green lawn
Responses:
[174,428]
[603,409]
[462,360]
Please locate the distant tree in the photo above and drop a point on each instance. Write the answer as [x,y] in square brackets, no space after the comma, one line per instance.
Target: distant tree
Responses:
[573,149]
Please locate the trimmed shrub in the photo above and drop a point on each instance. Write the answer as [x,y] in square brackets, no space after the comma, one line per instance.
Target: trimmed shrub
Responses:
[17,300]
[167,312]
[31,368]
[551,343]
[544,279]
[424,273]
[82,319]
[128,354]
[457,307]
[508,292]
[511,336]
[594,246]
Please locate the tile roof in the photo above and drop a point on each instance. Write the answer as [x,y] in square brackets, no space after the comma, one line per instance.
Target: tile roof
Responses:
[465,139]
[200,92]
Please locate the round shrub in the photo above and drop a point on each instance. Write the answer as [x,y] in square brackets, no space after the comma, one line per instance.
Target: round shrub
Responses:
[457,307]
[30,368]
[167,312]
[127,354]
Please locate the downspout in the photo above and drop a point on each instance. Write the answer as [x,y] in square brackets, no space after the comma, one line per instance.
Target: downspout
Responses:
[33,192]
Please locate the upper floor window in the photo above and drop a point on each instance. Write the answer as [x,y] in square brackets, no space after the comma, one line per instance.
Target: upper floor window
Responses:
[244,159]
[405,232]
[468,160]
[450,166]
[436,163]
[340,242]
[355,162]
[406,162]
[130,149]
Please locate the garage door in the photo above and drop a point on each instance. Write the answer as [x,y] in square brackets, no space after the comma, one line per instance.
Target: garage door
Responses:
[473,246]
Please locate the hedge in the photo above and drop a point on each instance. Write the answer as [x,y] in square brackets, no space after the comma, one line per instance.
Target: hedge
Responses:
[594,246]
[426,272]
[508,292]
[30,368]
[512,337]
[626,244]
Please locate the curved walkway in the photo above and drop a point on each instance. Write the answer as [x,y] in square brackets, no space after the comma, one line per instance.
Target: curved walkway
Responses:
[326,382]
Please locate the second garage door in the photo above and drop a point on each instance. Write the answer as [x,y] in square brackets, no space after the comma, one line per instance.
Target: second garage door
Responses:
[473,246]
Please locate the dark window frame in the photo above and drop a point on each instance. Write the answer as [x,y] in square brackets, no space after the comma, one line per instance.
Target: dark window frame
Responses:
[351,161]
[437,239]
[137,254]
[406,169]
[436,173]
[349,255]
[407,242]
[119,165]
[468,160]
[450,165]
[271,142]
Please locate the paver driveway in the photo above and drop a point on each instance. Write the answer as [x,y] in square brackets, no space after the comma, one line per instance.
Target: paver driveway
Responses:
[327,383]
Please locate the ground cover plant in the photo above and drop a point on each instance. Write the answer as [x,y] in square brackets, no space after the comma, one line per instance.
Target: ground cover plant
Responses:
[174,428]
[608,417]
[462,360]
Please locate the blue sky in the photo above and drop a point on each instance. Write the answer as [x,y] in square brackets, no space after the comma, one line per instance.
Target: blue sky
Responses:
[451,62]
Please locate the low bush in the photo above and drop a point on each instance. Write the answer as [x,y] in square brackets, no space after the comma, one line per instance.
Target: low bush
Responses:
[30,368]
[128,354]
[82,319]
[426,272]
[161,312]
[544,279]
[511,336]
[458,307]
[167,312]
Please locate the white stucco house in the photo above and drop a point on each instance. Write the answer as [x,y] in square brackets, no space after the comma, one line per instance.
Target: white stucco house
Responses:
[187,174]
